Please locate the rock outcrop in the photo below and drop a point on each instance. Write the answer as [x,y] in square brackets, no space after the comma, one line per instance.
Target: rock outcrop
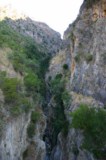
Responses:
[87,48]
[14,140]
[84,53]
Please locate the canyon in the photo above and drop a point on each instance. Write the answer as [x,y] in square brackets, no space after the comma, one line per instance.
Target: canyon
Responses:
[53,90]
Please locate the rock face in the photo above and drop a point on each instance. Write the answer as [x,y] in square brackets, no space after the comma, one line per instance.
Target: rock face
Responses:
[14,140]
[40,32]
[84,53]
[36,149]
[14,143]
[87,49]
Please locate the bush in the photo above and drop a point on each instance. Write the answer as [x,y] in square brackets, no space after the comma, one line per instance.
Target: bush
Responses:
[58,76]
[65,66]
[2,78]
[31,130]
[30,60]
[14,97]
[77,58]
[32,82]
[27,57]
[11,88]
[25,154]
[66,98]
[65,128]
[25,104]
[58,121]
[35,116]
[89,57]
[57,85]
[93,123]
[15,110]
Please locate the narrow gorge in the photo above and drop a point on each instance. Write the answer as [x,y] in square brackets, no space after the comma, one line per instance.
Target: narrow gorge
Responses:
[53,90]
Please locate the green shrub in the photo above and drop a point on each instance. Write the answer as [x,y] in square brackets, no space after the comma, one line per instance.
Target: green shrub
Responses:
[35,116]
[25,154]
[65,66]
[25,104]
[27,57]
[11,88]
[75,149]
[58,121]
[58,76]
[15,110]
[66,98]
[14,96]
[93,123]
[31,130]
[57,85]
[77,58]
[32,82]
[2,122]
[2,78]
[31,61]
[89,57]
[65,128]
[18,61]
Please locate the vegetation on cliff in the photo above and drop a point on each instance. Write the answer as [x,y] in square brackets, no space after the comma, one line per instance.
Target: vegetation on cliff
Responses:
[26,88]
[89,3]
[61,99]
[92,122]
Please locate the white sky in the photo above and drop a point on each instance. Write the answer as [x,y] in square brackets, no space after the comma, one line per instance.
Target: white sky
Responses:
[58,14]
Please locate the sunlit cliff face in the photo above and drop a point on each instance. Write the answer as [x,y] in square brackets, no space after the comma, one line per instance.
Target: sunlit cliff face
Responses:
[99,10]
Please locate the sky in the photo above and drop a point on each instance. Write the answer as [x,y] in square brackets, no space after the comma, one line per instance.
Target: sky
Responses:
[58,14]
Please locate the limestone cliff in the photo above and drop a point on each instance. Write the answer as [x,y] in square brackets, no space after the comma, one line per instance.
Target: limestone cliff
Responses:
[82,65]
[22,122]
[87,48]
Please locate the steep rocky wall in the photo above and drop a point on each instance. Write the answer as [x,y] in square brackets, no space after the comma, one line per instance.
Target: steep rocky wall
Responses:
[87,48]
[85,54]
[36,149]
[15,143]
[14,140]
